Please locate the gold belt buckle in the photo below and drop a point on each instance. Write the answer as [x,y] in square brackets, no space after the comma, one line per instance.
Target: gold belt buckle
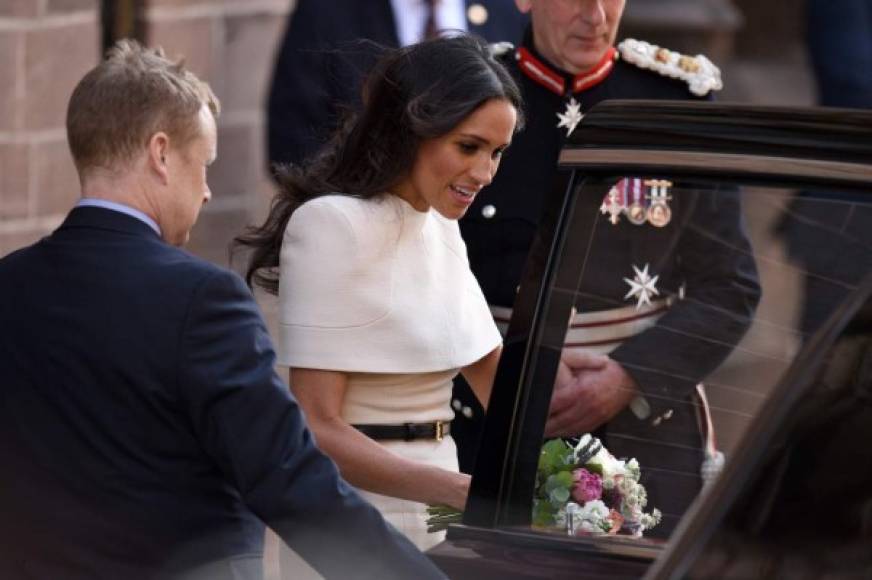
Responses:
[440,430]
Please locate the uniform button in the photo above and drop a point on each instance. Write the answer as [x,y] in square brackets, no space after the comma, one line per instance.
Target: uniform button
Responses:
[488,211]
[476,14]
[467,412]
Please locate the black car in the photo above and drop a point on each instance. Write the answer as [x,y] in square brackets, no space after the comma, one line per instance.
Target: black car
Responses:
[784,197]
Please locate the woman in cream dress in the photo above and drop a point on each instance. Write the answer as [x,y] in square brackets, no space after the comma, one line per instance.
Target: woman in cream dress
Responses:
[378,308]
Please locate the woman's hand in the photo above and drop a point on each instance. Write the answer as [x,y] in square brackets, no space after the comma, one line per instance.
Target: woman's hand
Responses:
[456,492]
[362,461]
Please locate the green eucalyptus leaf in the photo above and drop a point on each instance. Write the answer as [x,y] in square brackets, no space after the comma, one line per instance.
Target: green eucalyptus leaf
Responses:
[559,496]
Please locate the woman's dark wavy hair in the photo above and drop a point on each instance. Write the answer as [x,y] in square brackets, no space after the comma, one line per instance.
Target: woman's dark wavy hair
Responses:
[412,94]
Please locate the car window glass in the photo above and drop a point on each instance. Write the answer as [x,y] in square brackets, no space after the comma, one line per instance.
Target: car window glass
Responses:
[702,294]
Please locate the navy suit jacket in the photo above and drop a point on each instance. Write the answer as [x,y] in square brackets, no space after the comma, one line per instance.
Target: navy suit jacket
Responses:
[322,60]
[143,430]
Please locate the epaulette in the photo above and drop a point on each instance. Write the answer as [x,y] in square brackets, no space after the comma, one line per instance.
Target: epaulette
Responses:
[697,71]
[498,49]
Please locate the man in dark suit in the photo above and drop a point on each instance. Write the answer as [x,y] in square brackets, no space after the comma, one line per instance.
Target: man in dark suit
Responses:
[322,59]
[143,431]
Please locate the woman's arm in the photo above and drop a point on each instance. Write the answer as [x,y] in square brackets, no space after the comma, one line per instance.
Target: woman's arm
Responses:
[480,375]
[361,460]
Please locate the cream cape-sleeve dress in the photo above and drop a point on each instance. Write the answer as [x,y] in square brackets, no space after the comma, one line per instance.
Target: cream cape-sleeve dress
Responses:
[383,292]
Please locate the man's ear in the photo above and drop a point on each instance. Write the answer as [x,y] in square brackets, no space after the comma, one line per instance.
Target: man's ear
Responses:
[158,149]
[524,5]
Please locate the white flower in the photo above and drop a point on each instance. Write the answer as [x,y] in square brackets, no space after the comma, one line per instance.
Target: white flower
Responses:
[560,516]
[607,462]
[591,517]
[634,498]
[614,468]
[633,469]
[648,521]
[594,510]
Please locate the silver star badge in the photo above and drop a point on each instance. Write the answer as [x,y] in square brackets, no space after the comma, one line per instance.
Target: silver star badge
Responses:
[571,117]
[642,287]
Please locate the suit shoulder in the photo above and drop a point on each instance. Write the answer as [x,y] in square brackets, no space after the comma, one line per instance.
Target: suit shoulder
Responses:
[699,75]
[181,269]
[16,259]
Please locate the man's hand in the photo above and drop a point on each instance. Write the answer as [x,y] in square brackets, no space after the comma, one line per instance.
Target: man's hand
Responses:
[590,389]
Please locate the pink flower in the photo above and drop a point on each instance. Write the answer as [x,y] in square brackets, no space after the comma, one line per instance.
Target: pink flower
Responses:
[588,486]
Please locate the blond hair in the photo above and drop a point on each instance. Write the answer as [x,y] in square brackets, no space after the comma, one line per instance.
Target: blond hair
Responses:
[131,95]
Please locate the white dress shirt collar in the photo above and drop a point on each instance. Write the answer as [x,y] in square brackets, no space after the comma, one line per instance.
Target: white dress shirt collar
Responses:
[410,17]
[120,207]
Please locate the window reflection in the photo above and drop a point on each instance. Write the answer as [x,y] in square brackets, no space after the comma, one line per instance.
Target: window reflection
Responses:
[686,283]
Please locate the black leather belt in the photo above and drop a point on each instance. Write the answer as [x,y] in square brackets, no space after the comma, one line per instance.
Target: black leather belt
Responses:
[407,431]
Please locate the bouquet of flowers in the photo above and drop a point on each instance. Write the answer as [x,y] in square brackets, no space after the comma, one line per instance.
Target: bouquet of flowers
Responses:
[584,489]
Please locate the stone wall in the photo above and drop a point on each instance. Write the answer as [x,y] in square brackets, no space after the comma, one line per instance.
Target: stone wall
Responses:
[231,45]
[45,47]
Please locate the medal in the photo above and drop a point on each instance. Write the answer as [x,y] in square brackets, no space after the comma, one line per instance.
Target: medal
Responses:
[636,211]
[642,287]
[571,117]
[617,202]
[613,205]
[659,213]
[558,83]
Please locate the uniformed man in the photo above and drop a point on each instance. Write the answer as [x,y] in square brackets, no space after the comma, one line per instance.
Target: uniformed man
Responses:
[651,275]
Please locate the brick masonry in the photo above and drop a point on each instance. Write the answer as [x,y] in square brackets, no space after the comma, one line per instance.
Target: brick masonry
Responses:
[231,45]
[45,47]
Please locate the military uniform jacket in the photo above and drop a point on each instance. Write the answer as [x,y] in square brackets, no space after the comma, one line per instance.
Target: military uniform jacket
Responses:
[703,254]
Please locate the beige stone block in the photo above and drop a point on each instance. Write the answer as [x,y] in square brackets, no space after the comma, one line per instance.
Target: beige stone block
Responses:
[190,38]
[182,3]
[215,229]
[234,172]
[19,8]
[62,6]
[250,44]
[15,240]
[11,45]
[56,58]
[55,181]
[284,6]
[14,179]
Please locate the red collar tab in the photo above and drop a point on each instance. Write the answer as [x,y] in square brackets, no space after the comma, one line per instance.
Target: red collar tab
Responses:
[543,74]
[597,74]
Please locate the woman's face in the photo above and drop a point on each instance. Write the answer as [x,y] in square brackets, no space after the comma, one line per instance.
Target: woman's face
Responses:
[450,170]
